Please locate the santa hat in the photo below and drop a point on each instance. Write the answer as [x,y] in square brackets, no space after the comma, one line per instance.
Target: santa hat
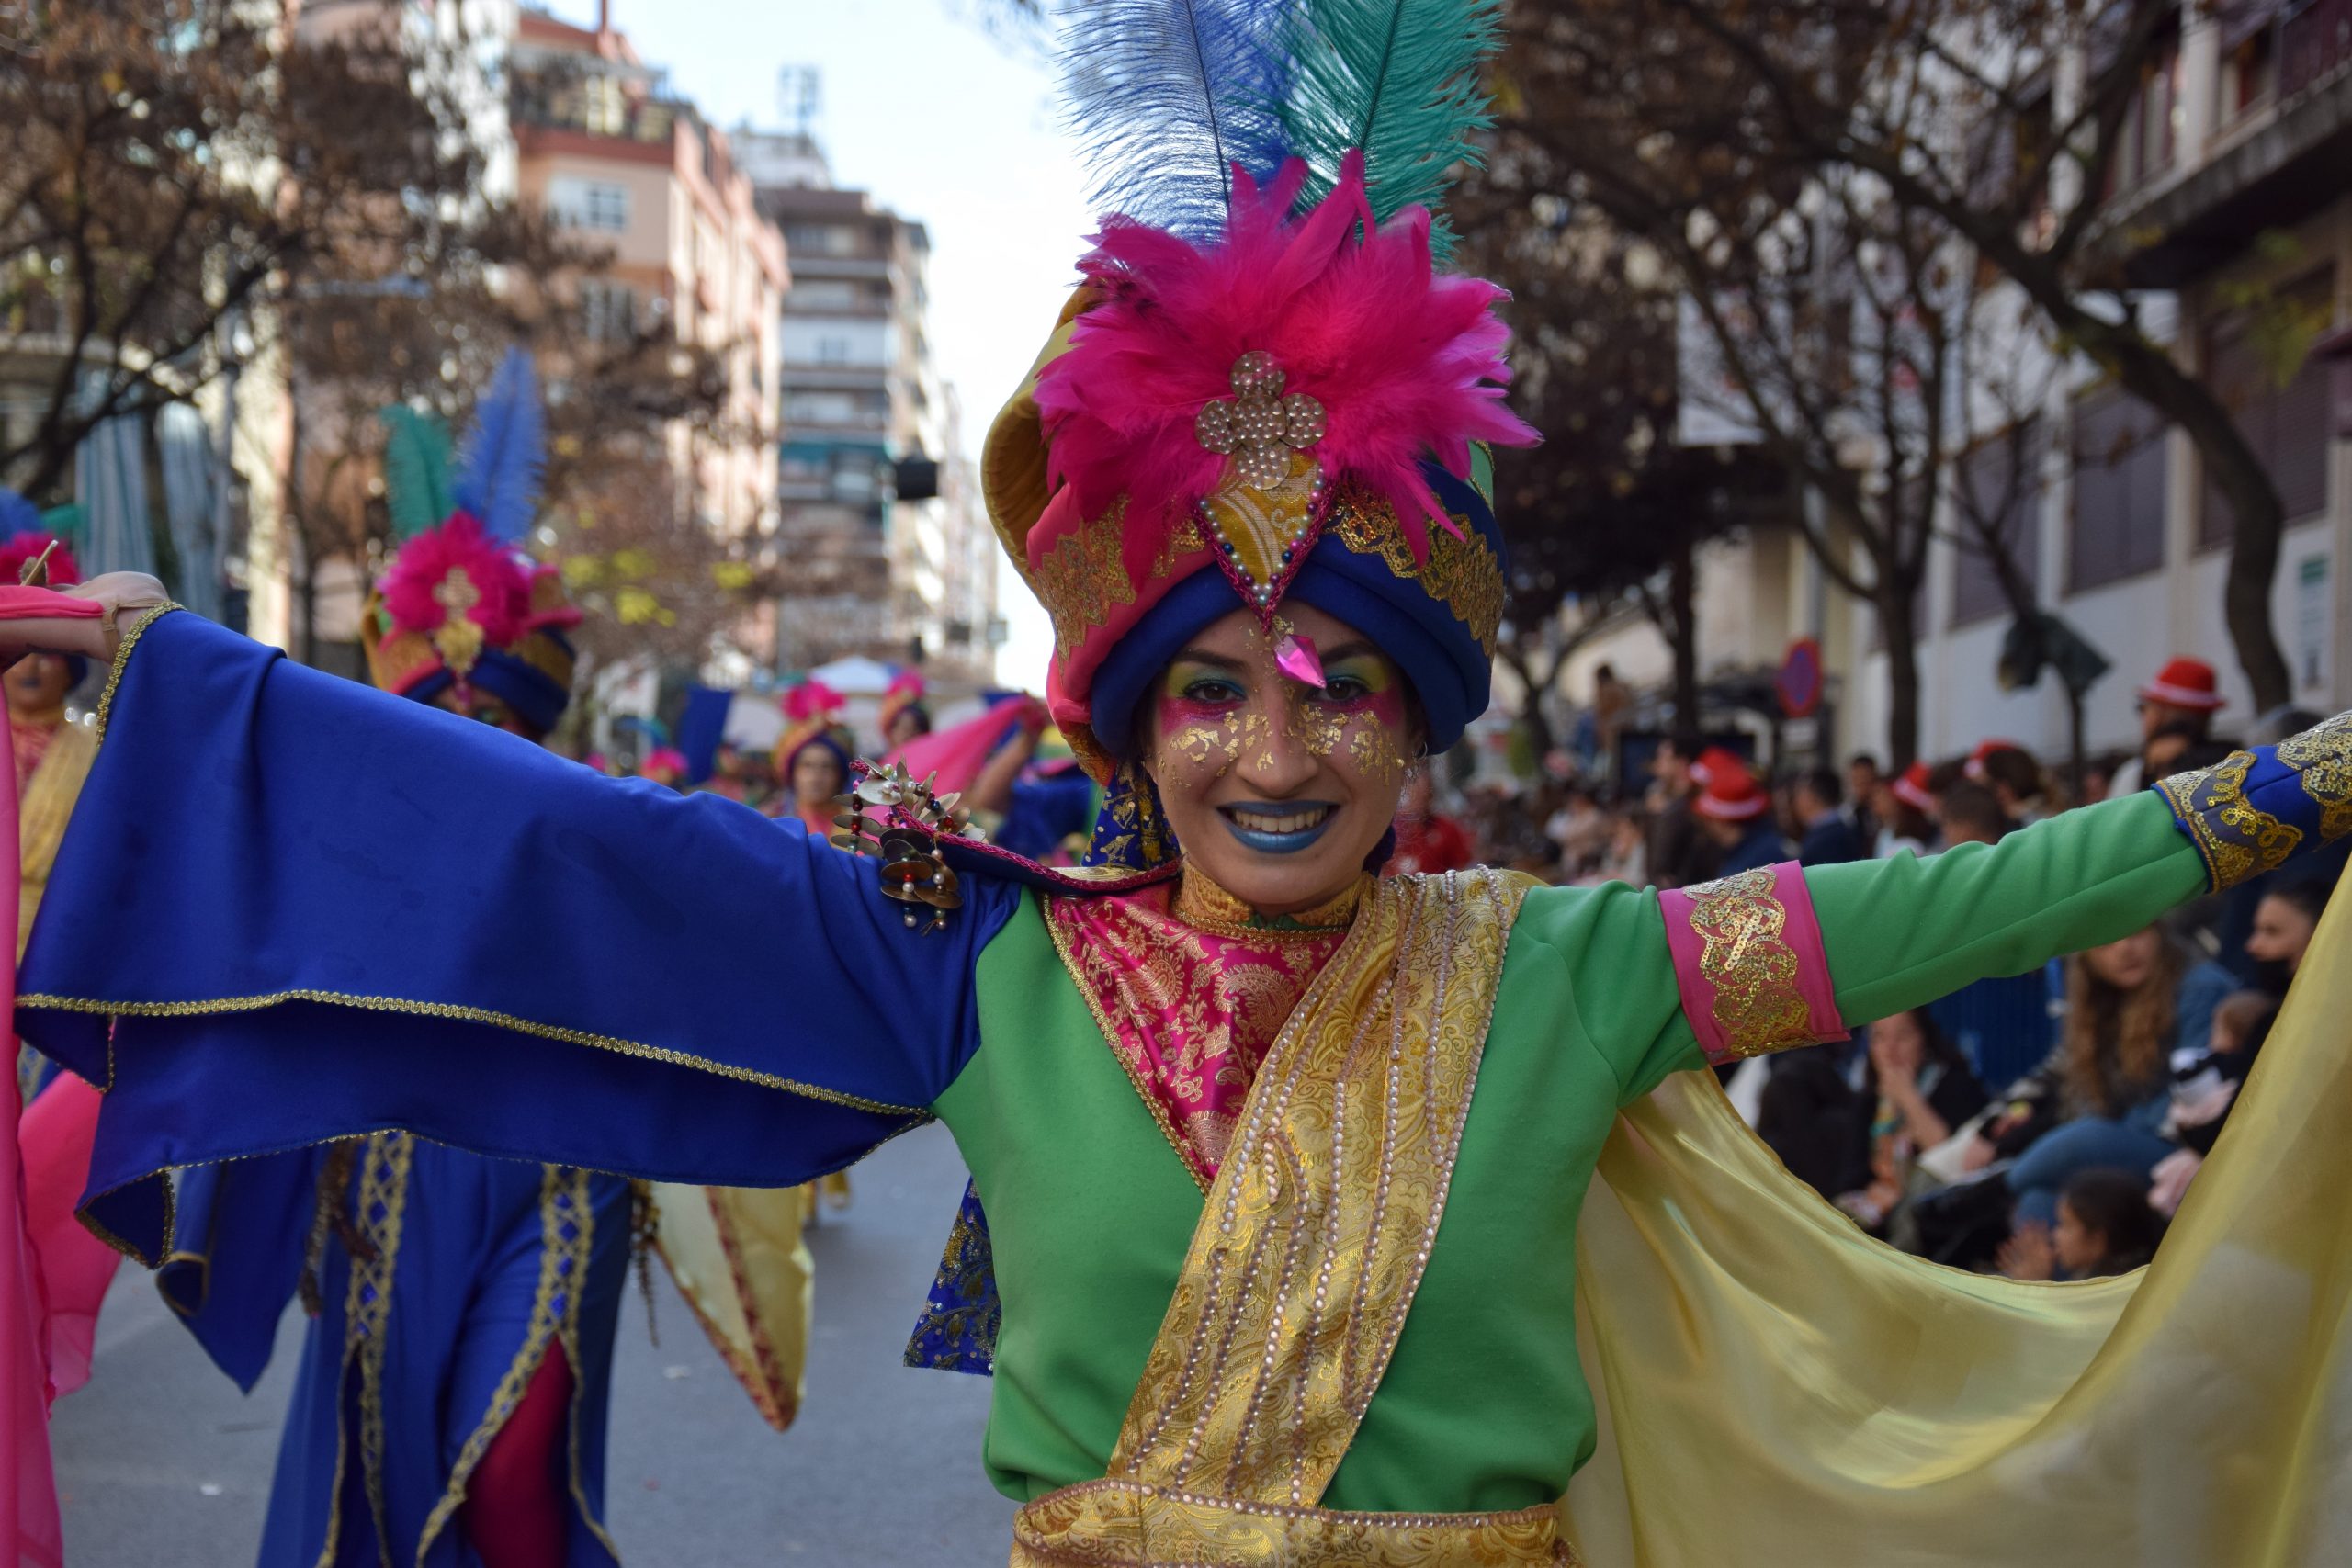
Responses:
[1974,766]
[1912,789]
[1715,759]
[1732,794]
[2184,683]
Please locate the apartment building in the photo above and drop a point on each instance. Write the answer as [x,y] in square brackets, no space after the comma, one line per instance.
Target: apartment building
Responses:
[605,147]
[880,522]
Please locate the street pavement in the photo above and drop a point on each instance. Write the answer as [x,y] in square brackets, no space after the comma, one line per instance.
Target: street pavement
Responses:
[162,1464]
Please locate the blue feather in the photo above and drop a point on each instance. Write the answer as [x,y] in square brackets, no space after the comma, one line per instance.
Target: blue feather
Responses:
[498,480]
[18,515]
[1166,95]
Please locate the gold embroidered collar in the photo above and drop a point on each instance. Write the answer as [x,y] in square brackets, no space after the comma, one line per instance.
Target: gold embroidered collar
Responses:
[1201,902]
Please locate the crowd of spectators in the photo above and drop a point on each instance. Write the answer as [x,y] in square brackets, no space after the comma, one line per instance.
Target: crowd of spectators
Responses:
[2044,1125]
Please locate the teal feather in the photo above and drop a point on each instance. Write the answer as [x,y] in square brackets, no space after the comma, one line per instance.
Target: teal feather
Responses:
[416,470]
[1401,80]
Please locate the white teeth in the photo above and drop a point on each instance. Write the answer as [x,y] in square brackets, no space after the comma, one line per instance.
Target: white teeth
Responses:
[1260,822]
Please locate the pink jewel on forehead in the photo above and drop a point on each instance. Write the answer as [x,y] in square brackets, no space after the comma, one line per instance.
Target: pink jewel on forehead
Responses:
[1257,427]
[1296,657]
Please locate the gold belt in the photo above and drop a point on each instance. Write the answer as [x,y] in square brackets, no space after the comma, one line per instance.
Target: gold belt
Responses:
[1126,1524]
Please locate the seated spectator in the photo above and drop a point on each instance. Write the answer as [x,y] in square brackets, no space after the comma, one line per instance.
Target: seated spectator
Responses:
[1581,829]
[1919,1092]
[2206,1077]
[2283,924]
[1824,836]
[2205,1085]
[1862,789]
[2129,1005]
[2104,1226]
[1626,857]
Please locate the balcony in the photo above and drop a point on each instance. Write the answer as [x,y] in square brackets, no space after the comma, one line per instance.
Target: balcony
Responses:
[2269,171]
[2314,43]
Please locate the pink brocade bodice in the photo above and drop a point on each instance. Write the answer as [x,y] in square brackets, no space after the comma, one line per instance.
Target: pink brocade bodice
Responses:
[1191,995]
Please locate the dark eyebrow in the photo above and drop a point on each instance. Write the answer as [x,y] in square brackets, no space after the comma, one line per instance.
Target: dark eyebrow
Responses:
[1214,661]
[1355,650]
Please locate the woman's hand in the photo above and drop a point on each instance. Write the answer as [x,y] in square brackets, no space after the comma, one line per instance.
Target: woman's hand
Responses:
[33,619]
[1978,1153]
[2027,1254]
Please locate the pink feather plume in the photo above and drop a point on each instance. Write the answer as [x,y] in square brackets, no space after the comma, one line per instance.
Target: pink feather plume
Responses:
[811,699]
[498,582]
[1408,363]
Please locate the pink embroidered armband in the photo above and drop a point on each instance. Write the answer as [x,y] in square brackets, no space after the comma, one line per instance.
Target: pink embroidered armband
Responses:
[1750,963]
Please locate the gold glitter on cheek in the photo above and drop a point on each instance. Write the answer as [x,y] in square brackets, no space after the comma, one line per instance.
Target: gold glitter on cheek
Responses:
[1314,729]
[1195,746]
[1375,753]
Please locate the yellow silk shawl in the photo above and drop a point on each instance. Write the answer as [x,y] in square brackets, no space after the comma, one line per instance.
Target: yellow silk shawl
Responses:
[1774,1388]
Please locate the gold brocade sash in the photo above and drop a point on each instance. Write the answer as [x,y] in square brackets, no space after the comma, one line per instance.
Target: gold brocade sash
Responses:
[1309,1249]
[41,816]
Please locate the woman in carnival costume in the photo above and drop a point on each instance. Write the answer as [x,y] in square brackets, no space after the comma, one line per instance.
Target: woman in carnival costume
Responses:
[1328,1219]
[812,759]
[451,1404]
[60,1113]
[903,716]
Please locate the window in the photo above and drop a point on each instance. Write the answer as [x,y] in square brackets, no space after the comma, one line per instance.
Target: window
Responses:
[817,294]
[1997,489]
[2119,481]
[820,239]
[2259,362]
[608,310]
[582,203]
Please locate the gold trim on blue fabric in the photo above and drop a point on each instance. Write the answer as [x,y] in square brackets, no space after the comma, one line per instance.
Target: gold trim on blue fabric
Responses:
[465,1014]
[566,1234]
[2322,758]
[2236,839]
[122,662]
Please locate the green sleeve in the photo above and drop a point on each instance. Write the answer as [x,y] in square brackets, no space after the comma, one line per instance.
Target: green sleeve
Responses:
[1903,932]
[1604,951]
[1898,932]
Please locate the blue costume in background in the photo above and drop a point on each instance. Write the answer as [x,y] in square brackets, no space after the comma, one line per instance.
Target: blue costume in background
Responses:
[438,1281]
[419,1351]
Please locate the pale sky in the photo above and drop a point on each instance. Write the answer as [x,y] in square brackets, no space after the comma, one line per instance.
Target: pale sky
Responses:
[943,124]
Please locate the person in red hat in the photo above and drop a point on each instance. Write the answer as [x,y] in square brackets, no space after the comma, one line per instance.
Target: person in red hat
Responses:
[1905,808]
[2185,694]
[1736,812]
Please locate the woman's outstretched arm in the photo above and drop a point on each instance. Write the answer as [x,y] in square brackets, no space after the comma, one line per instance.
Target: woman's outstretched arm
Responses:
[1779,957]
[290,908]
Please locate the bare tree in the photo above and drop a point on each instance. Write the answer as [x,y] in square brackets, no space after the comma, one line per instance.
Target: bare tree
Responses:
[1999,123]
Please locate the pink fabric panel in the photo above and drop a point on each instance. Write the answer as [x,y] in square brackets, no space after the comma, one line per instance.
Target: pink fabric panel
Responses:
[28,1516]
[76,1268]
[1799,932]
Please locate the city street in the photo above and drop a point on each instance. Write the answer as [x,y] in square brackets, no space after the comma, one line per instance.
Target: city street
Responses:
[159,1461]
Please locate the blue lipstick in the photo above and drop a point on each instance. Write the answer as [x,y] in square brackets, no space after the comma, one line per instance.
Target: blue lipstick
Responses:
[1282,829]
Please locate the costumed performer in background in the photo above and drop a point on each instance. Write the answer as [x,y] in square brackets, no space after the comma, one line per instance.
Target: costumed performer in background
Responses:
[450,1404]
[59,1111]
[811,759]
[1291,1231]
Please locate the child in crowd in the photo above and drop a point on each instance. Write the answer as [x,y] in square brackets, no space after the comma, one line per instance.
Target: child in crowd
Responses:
[2205,1083]
[2105,1226]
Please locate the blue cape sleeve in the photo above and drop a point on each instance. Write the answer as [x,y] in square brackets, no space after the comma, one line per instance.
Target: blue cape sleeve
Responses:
[292,908]
[239,1235]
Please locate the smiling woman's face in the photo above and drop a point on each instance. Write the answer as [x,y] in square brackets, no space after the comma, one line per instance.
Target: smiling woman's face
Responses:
[1278,791]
